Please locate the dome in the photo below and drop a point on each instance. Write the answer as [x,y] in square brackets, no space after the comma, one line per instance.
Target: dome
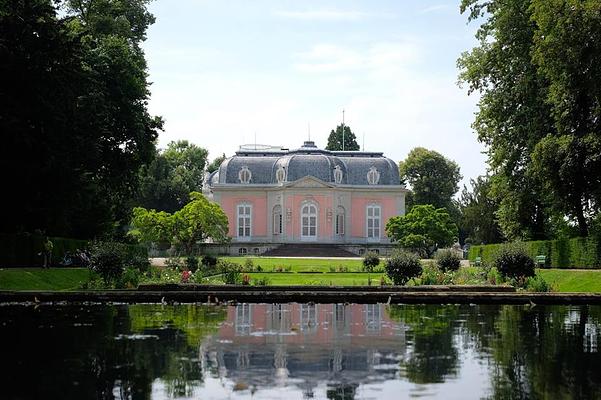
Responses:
[260,166]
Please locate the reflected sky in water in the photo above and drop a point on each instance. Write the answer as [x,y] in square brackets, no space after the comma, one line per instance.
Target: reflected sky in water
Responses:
[300,351]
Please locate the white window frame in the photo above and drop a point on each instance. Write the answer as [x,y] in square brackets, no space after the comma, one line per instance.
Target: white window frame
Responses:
[370,231]
[244,237]
[308,237]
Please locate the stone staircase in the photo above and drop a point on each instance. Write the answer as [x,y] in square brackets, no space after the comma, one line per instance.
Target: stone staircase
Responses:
[308,250]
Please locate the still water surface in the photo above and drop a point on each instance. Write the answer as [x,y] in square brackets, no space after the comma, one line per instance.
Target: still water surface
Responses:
[299,351]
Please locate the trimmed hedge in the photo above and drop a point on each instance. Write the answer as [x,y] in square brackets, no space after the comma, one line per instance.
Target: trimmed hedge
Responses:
[23,250]
[563,253]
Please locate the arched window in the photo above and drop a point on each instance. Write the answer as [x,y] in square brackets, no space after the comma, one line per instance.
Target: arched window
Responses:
[374,213]
[308,221]
[337,174]
[244,175]
[244,220]
[339,222]
[280,175]
[373,176]
[242,251]
[277,220]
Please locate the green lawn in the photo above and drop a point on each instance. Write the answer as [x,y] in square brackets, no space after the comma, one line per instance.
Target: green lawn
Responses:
[323,279]
[71,278]
[42,279]
[564,280]
[299,264]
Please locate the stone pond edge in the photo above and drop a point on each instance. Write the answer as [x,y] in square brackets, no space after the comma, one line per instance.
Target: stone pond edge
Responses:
[303,294]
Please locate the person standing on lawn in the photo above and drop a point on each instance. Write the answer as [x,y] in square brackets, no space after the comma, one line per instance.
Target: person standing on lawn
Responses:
[48,246]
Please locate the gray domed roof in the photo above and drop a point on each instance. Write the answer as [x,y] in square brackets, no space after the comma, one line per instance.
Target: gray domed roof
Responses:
[306,161]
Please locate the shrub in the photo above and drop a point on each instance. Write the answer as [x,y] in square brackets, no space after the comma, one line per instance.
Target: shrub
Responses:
[403,266]
[129,279]
[370,261]
[209,260]
[192,263]
[433,275]
[537,284]
[513,261]
[230,272]
[108,259]
[264,281]
[175,263]
[245,279]
[249,265]
[447,260]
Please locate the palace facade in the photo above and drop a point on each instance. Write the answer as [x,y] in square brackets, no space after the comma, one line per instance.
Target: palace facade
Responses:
[274,196]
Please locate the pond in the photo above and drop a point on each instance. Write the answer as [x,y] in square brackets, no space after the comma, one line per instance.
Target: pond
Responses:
[299,351]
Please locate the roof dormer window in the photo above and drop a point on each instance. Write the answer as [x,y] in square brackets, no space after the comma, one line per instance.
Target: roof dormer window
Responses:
[244,175]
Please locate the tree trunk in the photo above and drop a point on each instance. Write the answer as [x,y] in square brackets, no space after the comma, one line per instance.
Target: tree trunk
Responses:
[582,224]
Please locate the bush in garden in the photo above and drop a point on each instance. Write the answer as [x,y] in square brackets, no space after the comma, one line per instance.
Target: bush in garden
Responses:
[447,260]
[513,262]
[538,284]
[249,265]
[192,263]
[209,260]
[264,281]
[129,279]
[245,279]
[230,271]
[403,266]
[108,259]
[370,261]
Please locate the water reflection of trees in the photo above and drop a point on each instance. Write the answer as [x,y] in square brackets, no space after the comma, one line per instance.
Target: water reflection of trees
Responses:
[545,352]
[432,355]
[101,352]
[124,351]
[532,352]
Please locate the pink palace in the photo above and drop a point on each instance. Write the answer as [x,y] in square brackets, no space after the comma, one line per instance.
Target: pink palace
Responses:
[273,196]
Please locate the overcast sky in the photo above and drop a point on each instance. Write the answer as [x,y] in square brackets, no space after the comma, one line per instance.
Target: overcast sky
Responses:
[225,71]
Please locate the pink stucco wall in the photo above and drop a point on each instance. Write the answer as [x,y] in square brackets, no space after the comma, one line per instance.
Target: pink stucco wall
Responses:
[359,214]
[259,212]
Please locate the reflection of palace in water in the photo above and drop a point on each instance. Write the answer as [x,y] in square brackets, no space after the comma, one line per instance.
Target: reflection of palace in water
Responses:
[304,344]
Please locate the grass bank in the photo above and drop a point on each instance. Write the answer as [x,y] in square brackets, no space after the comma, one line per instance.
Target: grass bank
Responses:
[564,280]
[71,278]
[42,279]
[300,264]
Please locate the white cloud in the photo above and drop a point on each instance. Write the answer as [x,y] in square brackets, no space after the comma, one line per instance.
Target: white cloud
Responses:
[327,15]
[435,8]
[380,58]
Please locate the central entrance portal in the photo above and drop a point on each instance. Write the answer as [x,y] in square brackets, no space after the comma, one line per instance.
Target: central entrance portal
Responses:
[309,222]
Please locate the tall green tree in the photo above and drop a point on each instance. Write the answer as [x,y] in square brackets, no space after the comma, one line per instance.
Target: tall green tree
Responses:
[166,183]
[199,220]
[335,139]
[433,178]
[73,94]
[423,229]
[567,53]
[537,68]
[216,163]
[512,112]
[478,211]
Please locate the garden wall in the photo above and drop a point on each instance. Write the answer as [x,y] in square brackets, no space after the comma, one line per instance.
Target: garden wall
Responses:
[24,250]
[563,253]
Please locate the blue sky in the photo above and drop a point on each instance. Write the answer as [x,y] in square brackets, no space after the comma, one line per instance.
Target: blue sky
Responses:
[225,71]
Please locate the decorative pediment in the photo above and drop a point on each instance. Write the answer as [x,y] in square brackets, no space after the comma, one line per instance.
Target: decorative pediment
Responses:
[309,182]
